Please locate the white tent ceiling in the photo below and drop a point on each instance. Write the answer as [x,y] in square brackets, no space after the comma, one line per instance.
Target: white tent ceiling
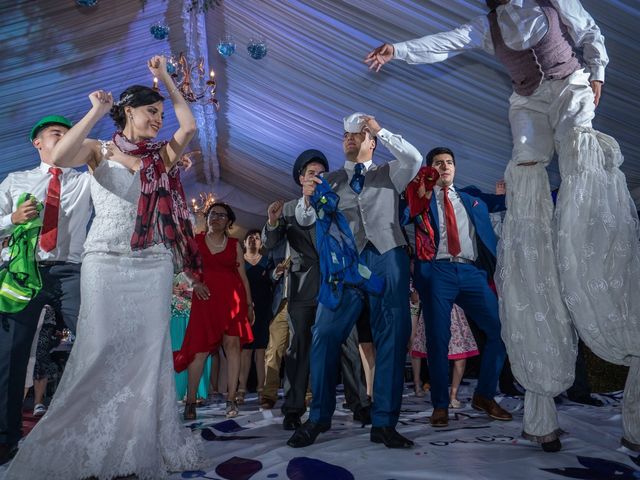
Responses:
[53,54]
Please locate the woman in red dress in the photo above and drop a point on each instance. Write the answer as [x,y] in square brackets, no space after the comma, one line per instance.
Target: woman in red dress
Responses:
[221,310]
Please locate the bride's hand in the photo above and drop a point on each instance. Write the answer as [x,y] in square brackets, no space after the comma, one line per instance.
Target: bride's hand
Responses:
[114,154]
[101,101]
[185,162]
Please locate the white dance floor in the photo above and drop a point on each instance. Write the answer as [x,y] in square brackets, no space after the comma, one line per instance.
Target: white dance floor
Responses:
[473,446]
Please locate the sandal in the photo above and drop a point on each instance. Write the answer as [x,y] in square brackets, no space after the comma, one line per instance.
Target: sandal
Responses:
[232,409]
[239,397]
[189,411]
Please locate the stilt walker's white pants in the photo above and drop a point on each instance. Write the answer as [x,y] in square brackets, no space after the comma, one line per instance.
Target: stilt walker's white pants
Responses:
[579,269]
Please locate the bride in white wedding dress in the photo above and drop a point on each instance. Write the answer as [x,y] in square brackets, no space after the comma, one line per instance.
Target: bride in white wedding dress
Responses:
[114,413]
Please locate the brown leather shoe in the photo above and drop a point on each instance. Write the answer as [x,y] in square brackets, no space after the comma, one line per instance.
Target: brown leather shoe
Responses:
[439,417]
[490,407]
[267,403]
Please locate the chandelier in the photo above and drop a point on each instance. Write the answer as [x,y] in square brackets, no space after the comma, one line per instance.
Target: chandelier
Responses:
[191,80]
[204,202]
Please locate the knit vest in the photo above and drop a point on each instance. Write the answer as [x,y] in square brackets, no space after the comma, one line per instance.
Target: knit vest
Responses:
[551,58]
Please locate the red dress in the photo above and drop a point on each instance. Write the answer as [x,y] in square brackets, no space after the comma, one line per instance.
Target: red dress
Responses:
[225,312]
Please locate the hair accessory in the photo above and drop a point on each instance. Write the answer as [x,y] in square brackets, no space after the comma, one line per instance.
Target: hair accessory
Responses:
[123,100]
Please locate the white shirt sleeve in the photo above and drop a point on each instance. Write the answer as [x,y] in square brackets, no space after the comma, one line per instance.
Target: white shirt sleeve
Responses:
[408,159]
[585,34]
[444,45]
[6,208]
[305,216]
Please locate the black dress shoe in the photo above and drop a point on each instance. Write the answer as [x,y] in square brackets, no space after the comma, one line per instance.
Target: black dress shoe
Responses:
[363,415]
[586,400]
[552,446]
[7,452]
[390,437]
[291,421]
[306,434]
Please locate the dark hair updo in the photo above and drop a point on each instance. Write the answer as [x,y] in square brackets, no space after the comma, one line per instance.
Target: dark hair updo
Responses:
[134,96]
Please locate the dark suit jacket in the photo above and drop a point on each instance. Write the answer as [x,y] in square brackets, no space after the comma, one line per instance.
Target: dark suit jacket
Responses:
[304,273]
[478,205]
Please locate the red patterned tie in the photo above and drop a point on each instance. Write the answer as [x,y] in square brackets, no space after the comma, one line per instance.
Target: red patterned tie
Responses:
[49,232]
[453,240]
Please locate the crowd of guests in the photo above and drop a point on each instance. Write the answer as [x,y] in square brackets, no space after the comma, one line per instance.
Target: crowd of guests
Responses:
[325,283]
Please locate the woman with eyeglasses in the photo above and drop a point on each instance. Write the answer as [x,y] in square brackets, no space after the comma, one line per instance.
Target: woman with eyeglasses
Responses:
[221,309]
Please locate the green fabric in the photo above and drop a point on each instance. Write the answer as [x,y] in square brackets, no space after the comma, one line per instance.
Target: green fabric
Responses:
[179,321]
[20,279]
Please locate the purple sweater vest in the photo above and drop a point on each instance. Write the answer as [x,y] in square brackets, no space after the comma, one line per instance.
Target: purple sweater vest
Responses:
[552,57]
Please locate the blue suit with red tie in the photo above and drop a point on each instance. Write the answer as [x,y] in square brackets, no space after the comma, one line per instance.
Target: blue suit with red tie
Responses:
[443,281]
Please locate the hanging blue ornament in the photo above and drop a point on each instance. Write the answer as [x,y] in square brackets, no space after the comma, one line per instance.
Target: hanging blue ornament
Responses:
[257,49]
[159,30]
[87,3]
[226,47]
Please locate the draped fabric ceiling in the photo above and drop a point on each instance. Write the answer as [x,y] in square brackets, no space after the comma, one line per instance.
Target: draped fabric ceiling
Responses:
[55,53]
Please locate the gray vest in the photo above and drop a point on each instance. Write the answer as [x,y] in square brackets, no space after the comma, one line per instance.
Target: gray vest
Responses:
[552,57]
[372,215]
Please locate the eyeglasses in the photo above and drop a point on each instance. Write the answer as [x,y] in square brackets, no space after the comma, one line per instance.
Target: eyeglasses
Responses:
[218,215]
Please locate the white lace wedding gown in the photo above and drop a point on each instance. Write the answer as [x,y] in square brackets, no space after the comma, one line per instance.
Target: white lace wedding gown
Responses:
[114,412]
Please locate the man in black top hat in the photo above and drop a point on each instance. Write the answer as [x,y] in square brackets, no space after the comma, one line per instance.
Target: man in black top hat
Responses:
[303,287]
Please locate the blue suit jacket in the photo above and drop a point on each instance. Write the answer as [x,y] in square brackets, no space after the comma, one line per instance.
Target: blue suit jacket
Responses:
[478,205]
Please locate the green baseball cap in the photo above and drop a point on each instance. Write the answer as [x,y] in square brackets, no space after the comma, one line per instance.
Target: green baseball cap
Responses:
[49,120]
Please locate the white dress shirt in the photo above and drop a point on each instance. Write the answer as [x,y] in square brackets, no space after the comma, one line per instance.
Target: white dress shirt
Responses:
[401,170]
[522,24]
[466,230]
[75,208]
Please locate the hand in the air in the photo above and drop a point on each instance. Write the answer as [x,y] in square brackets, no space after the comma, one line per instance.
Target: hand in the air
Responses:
[101,101]
[379,56]
[274,212]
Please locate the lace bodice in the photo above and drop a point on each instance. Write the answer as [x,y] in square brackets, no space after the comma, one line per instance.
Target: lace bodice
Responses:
[114,191]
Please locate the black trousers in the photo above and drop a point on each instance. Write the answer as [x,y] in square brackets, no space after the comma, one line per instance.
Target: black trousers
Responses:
[61,290]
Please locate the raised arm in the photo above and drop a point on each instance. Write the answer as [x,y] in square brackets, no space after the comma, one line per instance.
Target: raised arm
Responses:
[172,152]
[434,48]
[408,158]
[273,232]
[74,148]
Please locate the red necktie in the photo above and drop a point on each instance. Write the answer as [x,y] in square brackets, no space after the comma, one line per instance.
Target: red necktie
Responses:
[49,232]
[453,240]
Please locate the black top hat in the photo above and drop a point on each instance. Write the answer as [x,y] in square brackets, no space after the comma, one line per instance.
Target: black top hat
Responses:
[306,158]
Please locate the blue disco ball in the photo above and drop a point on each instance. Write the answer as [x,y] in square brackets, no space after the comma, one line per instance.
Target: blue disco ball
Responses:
[86,3]
[160,31]
[226,48]
[257,49]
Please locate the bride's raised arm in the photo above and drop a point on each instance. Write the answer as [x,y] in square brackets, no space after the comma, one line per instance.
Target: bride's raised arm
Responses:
[74,148]
[172,153]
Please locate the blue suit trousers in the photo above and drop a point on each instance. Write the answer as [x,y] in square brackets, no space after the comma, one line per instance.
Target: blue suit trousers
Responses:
[390,328]
[440,284]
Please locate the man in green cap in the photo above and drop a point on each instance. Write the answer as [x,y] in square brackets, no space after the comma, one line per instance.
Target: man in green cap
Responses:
[66,195]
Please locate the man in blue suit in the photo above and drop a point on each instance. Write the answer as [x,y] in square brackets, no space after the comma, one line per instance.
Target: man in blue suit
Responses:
[456,252]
